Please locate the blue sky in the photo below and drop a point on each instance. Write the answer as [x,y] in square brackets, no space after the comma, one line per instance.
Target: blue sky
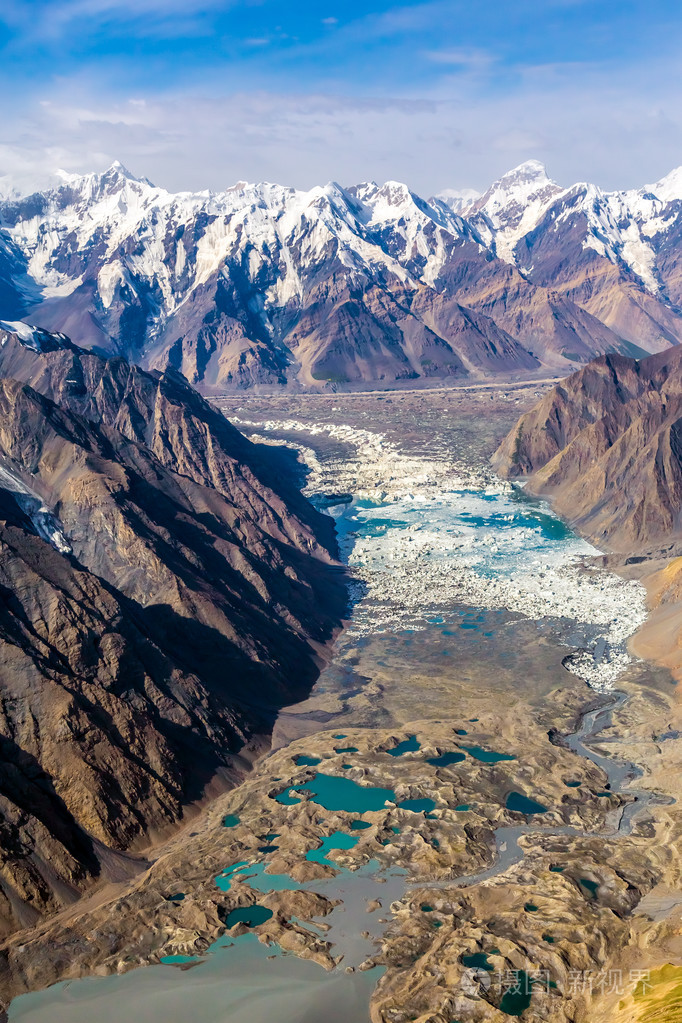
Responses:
[440,93]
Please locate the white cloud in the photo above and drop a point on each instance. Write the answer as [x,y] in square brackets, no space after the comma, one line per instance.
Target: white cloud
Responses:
[50,20]
[469,59]
[585,122]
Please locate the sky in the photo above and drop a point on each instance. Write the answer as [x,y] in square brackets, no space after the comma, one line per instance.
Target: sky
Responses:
[440,94]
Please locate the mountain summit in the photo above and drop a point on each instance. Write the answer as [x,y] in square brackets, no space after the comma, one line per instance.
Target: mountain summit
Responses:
[669,188]
[521,182]
[267,286]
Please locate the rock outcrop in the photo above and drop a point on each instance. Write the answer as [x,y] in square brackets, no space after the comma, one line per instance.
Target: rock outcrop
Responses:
[606,446]
[164,589]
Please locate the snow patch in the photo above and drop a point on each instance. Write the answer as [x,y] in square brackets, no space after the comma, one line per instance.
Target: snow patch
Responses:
[33,337]
[108,279]
[458,199]
[668,188]
[46,524]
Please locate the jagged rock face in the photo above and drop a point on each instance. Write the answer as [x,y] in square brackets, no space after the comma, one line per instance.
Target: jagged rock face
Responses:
[606,445]
[266,286]
[159,600]
[556,331]
[512,201]
[561,257]
[162,412]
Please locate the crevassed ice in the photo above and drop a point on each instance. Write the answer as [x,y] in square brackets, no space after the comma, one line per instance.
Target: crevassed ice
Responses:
[426,536]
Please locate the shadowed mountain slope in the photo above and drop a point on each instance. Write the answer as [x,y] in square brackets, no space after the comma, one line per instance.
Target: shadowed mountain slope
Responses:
[163,591]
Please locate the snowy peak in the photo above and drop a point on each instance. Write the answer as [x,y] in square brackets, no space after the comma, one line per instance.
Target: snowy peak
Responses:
[264,284]
[387,201]
[514,204]
[115,183]
[395,204]
[33,337]
[393,193]
[518,185]
[531,171]
[118,168]
[509,197]
[114,175]
[668,188]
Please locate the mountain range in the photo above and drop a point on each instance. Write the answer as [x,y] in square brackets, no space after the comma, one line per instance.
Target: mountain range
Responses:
[266,286]
[164,590]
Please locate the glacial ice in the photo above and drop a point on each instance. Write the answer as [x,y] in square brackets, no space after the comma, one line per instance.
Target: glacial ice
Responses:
[45,523]
[427,535]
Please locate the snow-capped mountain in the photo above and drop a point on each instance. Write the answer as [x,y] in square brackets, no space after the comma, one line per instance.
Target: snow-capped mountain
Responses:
[512,206]
[267,285]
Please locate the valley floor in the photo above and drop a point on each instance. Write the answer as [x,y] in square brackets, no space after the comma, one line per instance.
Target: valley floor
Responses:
[476,831]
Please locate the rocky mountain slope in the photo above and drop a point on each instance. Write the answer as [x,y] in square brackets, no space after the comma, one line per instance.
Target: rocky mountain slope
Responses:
[263,285]
[163,591]
[606,446]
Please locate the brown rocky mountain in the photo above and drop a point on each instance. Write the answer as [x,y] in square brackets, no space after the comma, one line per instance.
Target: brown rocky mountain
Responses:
[608,290]
[613,254]
[164,413]
[606,445]
[553,328]
[163,591]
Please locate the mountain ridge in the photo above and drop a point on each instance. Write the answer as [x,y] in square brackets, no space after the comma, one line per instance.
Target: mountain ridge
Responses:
[164,590]
[605,445]
[267,286]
